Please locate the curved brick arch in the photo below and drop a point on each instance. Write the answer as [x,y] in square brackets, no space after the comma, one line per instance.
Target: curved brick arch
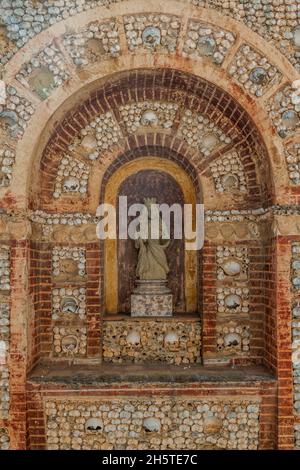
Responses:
[189,93]
[28,147]
[179,157]
[206,10]
[151,144]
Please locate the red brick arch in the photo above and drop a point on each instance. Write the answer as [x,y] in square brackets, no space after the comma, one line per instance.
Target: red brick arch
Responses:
[190,92]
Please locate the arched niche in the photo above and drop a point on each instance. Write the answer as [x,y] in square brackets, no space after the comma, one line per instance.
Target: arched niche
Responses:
[163,187]
[111,193]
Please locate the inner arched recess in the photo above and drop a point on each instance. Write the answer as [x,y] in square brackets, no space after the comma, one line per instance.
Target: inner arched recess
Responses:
[190,93]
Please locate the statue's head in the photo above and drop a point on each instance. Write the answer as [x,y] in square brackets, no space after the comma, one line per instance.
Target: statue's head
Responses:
[149,201]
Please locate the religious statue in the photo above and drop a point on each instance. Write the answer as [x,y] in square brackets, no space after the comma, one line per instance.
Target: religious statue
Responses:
[152,261]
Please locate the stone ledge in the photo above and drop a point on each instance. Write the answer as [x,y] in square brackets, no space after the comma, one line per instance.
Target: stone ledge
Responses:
[81,375]
[186,317]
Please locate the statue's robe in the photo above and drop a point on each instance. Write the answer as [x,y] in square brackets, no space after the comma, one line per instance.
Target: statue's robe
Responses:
[152,261]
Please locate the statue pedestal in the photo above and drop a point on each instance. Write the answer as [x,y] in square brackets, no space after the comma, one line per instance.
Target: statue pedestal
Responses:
[151,299]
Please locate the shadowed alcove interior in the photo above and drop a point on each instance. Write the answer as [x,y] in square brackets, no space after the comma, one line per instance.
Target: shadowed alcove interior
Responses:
[161,186]
[167,181]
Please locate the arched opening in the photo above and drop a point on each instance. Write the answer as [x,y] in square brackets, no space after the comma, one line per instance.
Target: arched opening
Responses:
[182,138]
[180,182]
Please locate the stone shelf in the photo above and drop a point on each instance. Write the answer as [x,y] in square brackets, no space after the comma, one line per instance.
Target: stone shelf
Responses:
[192,317]
[96,374]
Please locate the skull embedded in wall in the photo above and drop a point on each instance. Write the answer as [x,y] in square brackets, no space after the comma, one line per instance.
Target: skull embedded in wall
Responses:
[151,36]
[209,141]
[232,267]
[171,341]
[71,184]
[9,120]
[89,143]
[171,337]
[296,310]
[133,338]
[233,301]
[206,46]
[149,118]
[232,341]
[69,344]
[259,76]
[93,425]
[230,181]
[290,119]
[69,305]
[42,82]
[296,265]
[151,425]
[296,282]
